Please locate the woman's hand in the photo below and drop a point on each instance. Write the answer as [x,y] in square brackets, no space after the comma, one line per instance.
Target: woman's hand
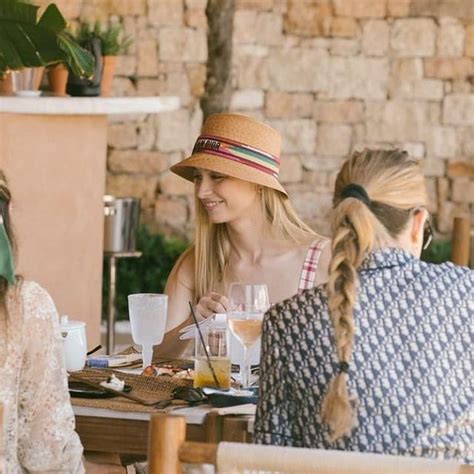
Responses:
[212,303]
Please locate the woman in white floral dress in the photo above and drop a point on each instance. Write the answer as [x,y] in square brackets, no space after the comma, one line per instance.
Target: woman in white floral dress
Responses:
[38,424]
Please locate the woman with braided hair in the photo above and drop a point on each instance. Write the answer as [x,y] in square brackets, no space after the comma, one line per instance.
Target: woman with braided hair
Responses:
[378,359]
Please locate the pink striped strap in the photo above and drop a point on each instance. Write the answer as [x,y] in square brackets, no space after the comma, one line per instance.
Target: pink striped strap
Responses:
[310,265]
[235,151]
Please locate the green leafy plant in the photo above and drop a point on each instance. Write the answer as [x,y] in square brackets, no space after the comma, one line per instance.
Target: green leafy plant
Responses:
[26,41]
[112,39]
[87,31]
[146,274]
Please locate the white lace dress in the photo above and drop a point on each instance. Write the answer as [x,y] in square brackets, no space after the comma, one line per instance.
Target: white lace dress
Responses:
[39,422]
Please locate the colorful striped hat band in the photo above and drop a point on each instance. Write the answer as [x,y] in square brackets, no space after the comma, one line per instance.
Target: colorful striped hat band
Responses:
[235,151]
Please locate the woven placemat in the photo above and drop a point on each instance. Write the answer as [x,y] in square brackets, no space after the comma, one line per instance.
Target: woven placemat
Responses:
[147,388]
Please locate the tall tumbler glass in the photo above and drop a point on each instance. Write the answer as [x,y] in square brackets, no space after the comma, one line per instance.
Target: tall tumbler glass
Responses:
[147,313]
[216,339]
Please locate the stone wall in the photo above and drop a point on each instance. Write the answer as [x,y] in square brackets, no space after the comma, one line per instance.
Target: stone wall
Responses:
[331,75]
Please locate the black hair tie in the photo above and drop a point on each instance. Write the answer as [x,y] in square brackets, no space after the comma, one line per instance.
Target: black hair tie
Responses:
[355,191]
[343,367]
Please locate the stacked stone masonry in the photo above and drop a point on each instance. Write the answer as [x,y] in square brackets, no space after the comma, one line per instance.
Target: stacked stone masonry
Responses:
[332,75]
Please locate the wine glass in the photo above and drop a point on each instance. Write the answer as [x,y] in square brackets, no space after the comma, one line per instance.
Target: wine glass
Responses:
[147,313]
[248,303]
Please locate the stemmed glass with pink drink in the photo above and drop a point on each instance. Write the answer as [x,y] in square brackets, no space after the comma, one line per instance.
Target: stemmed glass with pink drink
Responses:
[248,304]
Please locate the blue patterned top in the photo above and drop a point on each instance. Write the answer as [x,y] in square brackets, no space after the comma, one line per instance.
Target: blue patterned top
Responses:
[411,364]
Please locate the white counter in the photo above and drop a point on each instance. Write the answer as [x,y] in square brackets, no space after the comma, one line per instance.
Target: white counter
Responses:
[54,151]
[87,105]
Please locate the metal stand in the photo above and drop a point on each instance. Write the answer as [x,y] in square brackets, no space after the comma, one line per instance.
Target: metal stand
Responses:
[112,257]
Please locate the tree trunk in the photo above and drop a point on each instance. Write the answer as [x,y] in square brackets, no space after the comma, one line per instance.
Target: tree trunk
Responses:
[217,93]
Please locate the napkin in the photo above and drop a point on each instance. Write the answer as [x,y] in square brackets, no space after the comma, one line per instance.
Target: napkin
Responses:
[118,360]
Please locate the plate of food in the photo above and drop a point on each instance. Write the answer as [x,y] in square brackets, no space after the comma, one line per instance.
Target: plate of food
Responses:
[168,370]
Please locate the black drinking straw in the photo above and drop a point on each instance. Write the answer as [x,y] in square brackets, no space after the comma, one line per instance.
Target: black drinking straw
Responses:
[204,345]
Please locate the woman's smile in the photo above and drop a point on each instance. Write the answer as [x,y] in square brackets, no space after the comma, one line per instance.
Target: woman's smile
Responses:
[210,205]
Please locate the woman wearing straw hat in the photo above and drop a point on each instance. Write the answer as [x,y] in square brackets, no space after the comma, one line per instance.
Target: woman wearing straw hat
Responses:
[246,229]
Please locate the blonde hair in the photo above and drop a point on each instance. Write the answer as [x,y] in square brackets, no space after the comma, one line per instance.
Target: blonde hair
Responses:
[395,186]
[212,245]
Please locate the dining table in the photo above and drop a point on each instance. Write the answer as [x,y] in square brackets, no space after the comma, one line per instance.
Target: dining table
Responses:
[118,425]
[106,430]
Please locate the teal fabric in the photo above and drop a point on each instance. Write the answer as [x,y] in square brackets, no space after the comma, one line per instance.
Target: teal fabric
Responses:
[7,267]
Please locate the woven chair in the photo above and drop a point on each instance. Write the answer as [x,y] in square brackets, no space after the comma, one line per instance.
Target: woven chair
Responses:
[167,450]
[460,242]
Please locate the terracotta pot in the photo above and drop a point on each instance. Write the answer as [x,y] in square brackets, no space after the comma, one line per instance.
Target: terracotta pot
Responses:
[57,78]
[108,70]
[6,85]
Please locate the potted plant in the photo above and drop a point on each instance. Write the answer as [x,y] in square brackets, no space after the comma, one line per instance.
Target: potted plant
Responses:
[57,78]
[6,85]
[26,81]
[88,36]
[113,43]
[29,42]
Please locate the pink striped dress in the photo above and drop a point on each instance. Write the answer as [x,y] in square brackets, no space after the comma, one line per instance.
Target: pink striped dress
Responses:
[310,265]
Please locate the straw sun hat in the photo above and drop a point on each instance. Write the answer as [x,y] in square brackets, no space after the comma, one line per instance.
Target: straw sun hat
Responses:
[236,146]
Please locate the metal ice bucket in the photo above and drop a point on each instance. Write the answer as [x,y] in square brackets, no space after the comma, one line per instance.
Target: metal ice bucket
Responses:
[121,216]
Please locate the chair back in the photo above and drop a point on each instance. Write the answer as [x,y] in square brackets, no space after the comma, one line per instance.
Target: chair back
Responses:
[460,242]
[167,449]
[235,458]
[165,436]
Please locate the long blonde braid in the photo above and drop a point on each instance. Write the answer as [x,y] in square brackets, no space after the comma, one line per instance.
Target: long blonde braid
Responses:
[394,185]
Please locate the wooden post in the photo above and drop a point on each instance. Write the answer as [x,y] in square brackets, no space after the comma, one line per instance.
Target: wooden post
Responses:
[218,88]
[471,263]
[213,427]
[460,241]
[166,434]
